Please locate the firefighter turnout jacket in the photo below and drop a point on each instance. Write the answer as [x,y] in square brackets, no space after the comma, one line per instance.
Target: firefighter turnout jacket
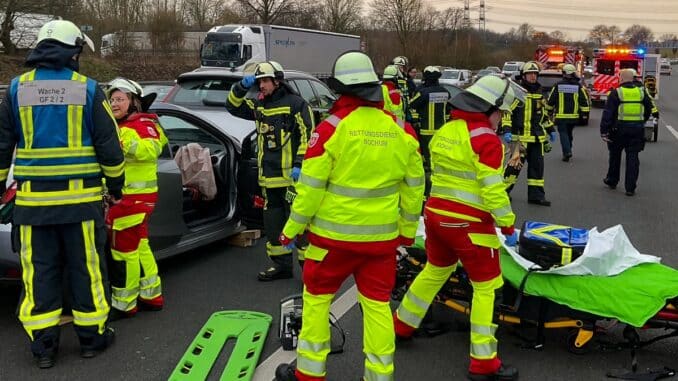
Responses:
[528,123]
[432,107]
[627,106]
[567,100]
[283,121]
[346,204]
[66,140]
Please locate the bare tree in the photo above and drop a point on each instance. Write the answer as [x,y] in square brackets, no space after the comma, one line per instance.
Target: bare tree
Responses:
[341,16]
[402,16]
[202,13]
[598,34]
[668,37]
[613,34]
[638,34]
[558,36]
[267,11]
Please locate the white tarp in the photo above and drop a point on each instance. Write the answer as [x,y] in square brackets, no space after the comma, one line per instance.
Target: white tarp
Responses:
[607,253]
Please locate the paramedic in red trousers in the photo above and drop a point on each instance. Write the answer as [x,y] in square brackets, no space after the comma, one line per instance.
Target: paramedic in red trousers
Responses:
[468,199]
[622,127]
[134,272]
[66,142]
[284,121]
[393,98]
[360,194]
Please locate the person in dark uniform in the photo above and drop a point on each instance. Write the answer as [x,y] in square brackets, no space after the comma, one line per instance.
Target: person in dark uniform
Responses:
[66,140]
[284,122]
[622,127]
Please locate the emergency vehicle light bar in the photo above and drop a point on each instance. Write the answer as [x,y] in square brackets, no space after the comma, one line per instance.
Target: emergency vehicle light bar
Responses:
[617,51]
[556,52]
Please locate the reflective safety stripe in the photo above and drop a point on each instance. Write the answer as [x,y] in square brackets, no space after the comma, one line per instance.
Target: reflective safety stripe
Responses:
[48,153]
[273,250]
[353,71]
[417,301]
[312,181]
[90,318]
[491,180]
[298,218]
[457,193]
[273,111]
[26,114]
[122,305]
[124,292]
[567,256]
[409,216]
[355,229]
[371,375]
[483,329]
[400,122]
[142,184]
[114,170]
[306,345]
[501,212]
[362,192]
[133,147]
[96,286]
[41,321]
[379,359]
[4,173]
[410,318]
[333,120]
[451,172]
[309,366]
[414,181]
[149,281]
[150,292]
[484,350]
[535,182]
[482,131]
[67,197]
[232,99]
[489,90]
[59,170]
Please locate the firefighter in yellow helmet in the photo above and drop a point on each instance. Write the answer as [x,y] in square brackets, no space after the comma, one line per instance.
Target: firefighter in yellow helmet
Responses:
[529,126]
[66,141]
[406,87]
[284,121]
[393,98]
[134,272]
[467,200]
[566,101]
[360,196]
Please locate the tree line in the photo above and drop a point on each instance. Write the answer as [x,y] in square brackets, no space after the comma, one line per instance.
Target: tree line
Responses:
[388,28]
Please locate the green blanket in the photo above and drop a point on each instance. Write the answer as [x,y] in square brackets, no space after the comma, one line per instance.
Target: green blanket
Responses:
[632,297]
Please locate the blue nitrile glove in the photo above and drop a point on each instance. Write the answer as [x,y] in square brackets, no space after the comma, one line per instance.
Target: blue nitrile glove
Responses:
[508,137]
[511,239]
[247,81]
[296,171]
[552,136]
[287,242]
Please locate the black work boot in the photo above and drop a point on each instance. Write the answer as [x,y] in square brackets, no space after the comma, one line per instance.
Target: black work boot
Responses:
[92,346]
[285,372]
[504,373]
[45,350]
[274,273]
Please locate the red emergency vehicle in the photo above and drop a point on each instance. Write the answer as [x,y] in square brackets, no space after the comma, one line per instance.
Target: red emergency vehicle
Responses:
[607,62]
[554,56]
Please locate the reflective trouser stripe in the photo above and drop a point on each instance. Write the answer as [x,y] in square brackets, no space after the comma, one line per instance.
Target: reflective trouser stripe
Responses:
[28,271]
[274,250]
[422,291]
[314,338]
[101,308]
[483,343]
[378,339]
[150,285]
[535,182]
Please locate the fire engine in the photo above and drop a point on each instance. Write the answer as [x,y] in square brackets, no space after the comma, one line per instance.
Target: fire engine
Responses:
[554,56]
[607,62]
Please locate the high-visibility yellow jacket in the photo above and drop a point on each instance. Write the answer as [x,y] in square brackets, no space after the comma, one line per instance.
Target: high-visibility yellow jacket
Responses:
[393,100]
[362,181]
[142,140]
[467,179]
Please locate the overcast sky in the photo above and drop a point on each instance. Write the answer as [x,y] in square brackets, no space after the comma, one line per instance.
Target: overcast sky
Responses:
[574,17]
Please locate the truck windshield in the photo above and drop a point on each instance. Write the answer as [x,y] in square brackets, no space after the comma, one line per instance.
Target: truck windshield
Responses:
[450,74]
[221,51]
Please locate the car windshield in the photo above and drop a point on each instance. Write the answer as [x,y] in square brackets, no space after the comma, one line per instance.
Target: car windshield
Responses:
[511,67]
[450,74]
[202,91]
[485,72]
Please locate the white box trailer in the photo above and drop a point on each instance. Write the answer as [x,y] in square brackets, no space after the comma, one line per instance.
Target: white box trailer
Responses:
[312,51]
[651,67]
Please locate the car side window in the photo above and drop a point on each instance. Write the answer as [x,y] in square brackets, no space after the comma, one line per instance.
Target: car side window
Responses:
[180,132]
[307,93]
[325,96]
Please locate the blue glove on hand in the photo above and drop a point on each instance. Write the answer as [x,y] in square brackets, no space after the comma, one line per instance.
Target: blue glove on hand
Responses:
[511,239]
[288,243]
[508,137]
[247,81]
[296,171]
[553,136]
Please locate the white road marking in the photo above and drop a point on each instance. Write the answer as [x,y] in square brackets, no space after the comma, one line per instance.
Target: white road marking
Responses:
[266,369]
[671,130]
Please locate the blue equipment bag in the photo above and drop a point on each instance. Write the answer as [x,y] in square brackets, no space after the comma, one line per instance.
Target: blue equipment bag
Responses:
[551,245]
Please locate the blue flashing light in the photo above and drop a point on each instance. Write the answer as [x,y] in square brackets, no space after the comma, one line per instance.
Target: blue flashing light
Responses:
[641,51]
